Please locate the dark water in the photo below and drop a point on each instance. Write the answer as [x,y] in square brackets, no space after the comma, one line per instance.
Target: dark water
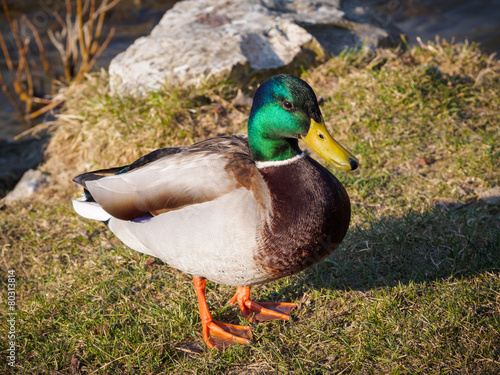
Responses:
[477,21]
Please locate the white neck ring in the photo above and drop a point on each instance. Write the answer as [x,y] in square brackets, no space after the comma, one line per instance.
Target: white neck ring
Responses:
[278,163]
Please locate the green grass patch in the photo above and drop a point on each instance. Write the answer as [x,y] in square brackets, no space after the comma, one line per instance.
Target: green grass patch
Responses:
[414,287]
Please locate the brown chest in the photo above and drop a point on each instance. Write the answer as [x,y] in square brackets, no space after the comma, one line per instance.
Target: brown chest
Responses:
[310,216]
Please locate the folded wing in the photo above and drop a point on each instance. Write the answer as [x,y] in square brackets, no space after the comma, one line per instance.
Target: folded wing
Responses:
[170,179]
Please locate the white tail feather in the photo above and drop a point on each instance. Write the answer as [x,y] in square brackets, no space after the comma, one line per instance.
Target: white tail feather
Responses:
[90,210]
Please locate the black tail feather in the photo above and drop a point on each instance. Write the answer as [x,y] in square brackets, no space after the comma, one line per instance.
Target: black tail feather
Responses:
[88,196]
[96,175]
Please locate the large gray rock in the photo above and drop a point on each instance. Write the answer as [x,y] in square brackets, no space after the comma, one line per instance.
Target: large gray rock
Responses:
[200,40]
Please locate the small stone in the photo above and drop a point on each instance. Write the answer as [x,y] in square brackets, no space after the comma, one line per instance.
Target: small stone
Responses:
[242,100]
[31,183]
[491,196]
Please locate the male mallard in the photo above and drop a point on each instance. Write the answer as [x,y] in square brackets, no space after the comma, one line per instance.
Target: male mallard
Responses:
[236,210]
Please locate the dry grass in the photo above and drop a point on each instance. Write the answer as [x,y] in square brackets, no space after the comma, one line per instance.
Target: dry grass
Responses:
[414,287]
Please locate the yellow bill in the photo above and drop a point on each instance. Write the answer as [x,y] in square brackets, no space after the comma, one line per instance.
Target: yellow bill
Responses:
[328,148]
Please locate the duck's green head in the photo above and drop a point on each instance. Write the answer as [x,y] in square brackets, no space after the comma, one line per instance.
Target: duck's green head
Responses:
[285,109]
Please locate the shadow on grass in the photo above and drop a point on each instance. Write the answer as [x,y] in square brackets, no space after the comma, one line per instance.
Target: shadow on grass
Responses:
[434,245]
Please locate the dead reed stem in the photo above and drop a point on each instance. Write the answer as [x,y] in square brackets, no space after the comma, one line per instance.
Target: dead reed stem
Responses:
[77,42]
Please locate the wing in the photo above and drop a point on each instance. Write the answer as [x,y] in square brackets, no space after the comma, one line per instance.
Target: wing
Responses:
[172,178]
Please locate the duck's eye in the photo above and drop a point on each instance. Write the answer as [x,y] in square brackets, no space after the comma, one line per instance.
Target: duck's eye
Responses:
[287,105]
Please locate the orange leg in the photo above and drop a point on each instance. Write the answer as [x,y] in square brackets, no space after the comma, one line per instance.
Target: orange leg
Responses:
[216,334]
[262,311]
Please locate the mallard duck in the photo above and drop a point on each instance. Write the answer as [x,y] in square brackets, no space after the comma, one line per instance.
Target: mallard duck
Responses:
[236,210]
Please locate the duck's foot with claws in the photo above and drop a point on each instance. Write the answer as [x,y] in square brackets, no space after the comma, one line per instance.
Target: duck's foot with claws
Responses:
[261,311]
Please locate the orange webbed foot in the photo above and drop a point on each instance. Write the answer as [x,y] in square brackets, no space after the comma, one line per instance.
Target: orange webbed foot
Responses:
[216,334]
[261,311]
[220,335]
